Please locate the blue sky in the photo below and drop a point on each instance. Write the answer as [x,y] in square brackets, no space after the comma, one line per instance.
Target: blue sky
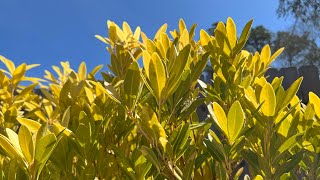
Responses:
[48,32]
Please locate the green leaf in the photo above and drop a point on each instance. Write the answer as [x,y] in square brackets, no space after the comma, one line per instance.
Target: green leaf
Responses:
[132,83]
[181,139]
[289,94]
[289,143]
[26,143]
[66,117]
[276,54]
[215,149]
[110,91]
[235,121]
[268,96]
[243,37]
[83,134]
[194,105]
[177,69]
[151,156]
[187,171]
[44,148]
[289,165]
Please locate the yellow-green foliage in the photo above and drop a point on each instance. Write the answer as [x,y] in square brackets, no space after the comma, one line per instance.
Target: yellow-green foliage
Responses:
[140,121]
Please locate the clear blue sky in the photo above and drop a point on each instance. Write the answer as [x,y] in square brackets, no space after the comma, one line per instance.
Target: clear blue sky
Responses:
[47,32]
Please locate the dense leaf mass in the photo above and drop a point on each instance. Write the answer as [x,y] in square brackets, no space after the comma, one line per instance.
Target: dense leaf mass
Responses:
[140,120]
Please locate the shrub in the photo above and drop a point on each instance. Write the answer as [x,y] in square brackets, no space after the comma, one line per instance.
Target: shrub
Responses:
[140,121]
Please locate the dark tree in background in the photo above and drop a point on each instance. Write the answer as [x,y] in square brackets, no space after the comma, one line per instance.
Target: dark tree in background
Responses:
[301,40]
[212,28]
[306,11]
[296,47]
[259,36]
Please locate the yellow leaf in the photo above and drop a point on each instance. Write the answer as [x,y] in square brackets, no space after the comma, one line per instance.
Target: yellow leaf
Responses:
[13,137]
[126,29]
[157,75]
[32,125]
[315,101]
[182,25]
[268,96]
[9,64]
[82,71]
[162,29]
[26,143]
[265,54]
[235,121]
[19,73]
[184,38]
[137,33]
[146,62]
[204,38]
[231,32]
[276,54]
[220,117]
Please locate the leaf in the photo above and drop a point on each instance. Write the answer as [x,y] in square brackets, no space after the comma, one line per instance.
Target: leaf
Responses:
[181,138]
[32,125]
[290,142]
[276,54]
[315,102]
[193,106]
[7,146]
[146,62]
[289,165]
[9,64]
[289,94]
[235,121]
[43,146]
[245,32]
[82,71]
[26,143]
[151,156]
[220,117]
[231,32]
[26,92]
[265,54]
[137,32]
[126,29]
[268,96]
[44,149]
[152,126]
[94,71]
[177,70]
[162,29]
[14,139]
[110,91]
[157,75]
[215,149]
[132,83]
[204,38]
[18,74]
[187,171]
[66,117]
